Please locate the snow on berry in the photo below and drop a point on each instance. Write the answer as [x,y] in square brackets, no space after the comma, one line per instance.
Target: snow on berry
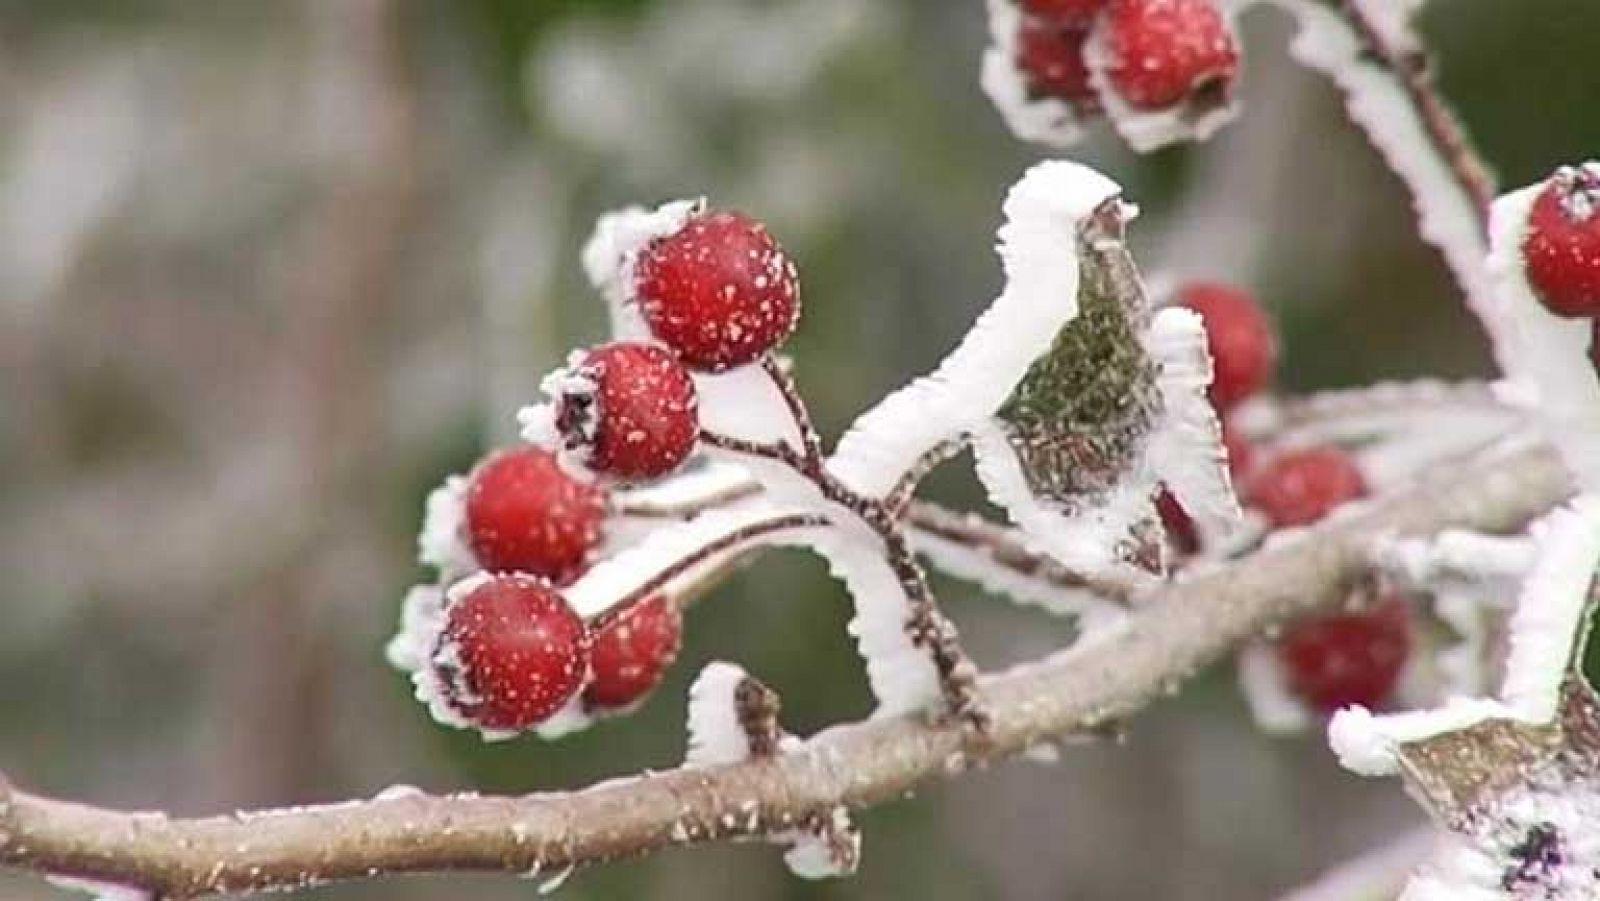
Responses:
[1299,487]
[1561,248]
[1238,336]
[611,257]
[1034,73]
[524,513]
[719,291]
[510,651]
[1545,357]
[1165,69]
[626,409]
[1347,658]
[631,653]
[442,543]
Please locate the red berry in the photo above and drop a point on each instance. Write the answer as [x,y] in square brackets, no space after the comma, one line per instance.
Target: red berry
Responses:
[1562,248]
[632,652]
[1063,9]
[512,652]
[1347,658]
[1162,53]
[1238,336]
[1241,453]
[631,408]
[524,513]
[1050,55]
[1302,486]
[719,291]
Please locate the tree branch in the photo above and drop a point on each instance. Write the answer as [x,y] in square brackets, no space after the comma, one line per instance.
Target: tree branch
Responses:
[1186,627]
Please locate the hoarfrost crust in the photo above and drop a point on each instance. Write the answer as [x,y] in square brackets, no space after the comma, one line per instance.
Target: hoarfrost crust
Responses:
[716,736]
[613,249]
[1041,119]
[1544,357]
[1147,130]
[417,650]
[442,543]
[1043,211]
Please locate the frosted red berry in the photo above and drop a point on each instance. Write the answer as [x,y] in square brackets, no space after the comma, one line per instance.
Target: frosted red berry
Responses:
[525,514]
[511,653]
[1050,57]
[719,291]
[1302,486]
[1347,658]
[632,652]
[1561,250]
[1063,9]
[1239,337]
[1165,53]
[630,409]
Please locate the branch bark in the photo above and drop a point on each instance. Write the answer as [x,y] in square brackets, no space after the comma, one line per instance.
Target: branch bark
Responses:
[1186,627]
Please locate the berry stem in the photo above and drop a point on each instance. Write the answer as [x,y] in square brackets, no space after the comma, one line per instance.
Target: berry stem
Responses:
[729,542]
[1412,68]
[810,441]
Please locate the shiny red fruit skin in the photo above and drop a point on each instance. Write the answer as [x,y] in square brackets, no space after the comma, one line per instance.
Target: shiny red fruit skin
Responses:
[644,411]
[525,514]
[1165,52]
[1302,486]
[1561,250]
[1050,57]
[1060,10]
[719,291]
[632,653]
[512,652]
[1239,337]
[1347,658]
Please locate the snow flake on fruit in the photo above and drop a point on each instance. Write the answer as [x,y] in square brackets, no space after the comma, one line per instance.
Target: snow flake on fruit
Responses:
[1561,248]
[509,653]
[719,291]
[1165,69]
[524,513]
[626,410]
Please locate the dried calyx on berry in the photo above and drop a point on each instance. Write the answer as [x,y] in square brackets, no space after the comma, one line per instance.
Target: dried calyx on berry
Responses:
[1561,248]
[719,290]
[524,513]
[498,652]
[632,650]
[1165,69]
[626,409]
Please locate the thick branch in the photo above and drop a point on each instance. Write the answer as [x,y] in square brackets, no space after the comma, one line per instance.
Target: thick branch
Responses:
[1186,627]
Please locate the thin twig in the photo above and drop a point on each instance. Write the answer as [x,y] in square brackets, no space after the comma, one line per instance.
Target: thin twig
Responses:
[1413,70]
[1188,625]
[810,440]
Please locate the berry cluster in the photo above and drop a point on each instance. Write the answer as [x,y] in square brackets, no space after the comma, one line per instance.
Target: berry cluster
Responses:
[1159,66]
[505,650]
[1561,247]
[1331,661]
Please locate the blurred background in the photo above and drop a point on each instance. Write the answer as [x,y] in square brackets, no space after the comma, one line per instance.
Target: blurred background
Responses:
[269,271]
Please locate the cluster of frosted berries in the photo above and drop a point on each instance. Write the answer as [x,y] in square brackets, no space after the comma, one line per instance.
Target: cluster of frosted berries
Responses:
[1561,247]
[1175,61]
[505,651]
[1330,661]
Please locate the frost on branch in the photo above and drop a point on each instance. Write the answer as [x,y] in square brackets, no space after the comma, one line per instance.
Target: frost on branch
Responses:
[733,717]
[1447,216]
[1516,781]
[1545,357]
[100,891]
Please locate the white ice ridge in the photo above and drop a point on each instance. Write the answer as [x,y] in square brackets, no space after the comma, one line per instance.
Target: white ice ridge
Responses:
[613,249]
[716,737]
[1544,632]
[1038,248]
[1447,216]
[1545,357]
